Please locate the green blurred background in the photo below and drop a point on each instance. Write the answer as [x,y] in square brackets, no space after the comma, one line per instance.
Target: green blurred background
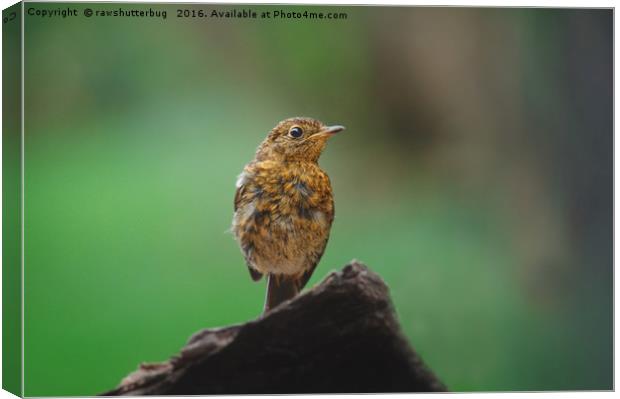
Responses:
[475,177]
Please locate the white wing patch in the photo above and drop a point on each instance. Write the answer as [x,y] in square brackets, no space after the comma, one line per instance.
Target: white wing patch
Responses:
[241,179]
[245,212]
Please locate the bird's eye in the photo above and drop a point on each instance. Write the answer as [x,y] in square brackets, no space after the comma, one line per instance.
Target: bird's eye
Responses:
[295,132]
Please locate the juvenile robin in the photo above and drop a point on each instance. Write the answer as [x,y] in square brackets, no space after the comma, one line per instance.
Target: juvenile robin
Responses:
[284,207]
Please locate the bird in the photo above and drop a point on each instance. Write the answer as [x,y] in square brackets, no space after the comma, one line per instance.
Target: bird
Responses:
[284,207]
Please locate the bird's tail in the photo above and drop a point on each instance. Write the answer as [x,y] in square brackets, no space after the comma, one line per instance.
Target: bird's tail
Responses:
[279,289]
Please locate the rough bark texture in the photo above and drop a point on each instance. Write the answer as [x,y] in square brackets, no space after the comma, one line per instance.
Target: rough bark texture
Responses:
[341,336]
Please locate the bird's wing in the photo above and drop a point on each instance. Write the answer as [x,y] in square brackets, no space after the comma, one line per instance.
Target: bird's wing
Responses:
[303,280]
[330,210]
[254,274]
[238,195]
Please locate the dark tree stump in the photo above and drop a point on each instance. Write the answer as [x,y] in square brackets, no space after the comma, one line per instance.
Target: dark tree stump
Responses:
[341,336]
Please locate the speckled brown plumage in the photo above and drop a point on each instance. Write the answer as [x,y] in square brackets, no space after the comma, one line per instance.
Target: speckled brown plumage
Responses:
[284,207]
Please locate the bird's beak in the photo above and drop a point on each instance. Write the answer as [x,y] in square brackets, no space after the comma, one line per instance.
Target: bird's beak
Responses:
[329,131]
[333,129]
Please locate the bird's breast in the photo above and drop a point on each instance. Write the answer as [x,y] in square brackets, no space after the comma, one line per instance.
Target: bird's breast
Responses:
[296,190]
[285,212]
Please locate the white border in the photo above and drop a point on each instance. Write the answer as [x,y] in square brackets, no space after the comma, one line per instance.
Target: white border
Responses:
[541,3]
[436,3]
[22,202]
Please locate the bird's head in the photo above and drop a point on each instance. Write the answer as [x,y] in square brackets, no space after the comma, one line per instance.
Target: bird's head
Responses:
[296,139]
